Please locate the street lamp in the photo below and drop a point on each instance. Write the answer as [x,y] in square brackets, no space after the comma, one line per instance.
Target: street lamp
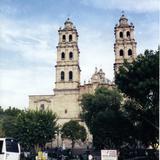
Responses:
[58,136]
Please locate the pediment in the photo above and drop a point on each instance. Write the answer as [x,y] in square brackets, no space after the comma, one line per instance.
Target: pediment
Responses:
[42,100]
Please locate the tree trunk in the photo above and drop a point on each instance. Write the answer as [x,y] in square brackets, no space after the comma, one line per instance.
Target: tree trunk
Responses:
[73,143]
[36,147]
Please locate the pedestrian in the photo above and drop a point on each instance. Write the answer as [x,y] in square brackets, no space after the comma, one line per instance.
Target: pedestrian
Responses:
[80,157]
[90,157]
[63,157]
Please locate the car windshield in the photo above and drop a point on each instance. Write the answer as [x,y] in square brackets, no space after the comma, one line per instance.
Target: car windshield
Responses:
[11,145]
[1,144]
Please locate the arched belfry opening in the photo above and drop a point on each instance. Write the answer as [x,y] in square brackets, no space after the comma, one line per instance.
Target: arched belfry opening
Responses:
[129,52]
[71,55]
[70,38]
[62,76]
[70,75]
[62,55]
[64,38]
[121,52]
[128,34]
[121,34]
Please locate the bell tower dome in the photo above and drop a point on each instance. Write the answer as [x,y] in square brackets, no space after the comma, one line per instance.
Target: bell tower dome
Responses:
[67,67]
[125,44]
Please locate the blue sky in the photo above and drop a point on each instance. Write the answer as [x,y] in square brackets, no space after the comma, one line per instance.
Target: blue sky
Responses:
[28,40]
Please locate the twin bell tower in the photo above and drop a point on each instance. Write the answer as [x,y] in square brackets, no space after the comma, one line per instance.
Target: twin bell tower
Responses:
[65,101]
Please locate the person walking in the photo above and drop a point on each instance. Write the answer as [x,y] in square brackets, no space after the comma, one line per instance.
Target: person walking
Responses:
[90,157]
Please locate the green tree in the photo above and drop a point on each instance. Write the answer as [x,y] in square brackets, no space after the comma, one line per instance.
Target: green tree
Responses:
[1,110]
[104,118]
[8,120]
[145,131]
[12,111]
[139,81]
[73,131]
[103,99]
[35,128]
[112,130]
[1,122]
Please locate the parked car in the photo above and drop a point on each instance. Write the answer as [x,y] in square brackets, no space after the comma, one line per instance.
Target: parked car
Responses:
[9,149]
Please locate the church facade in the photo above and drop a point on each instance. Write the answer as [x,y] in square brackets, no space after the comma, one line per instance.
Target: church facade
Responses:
[65,100]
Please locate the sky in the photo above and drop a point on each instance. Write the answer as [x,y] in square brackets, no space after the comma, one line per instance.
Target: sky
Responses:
[29,36]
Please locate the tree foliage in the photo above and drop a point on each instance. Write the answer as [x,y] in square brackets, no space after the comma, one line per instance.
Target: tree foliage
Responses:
[30,128]
[104,118]
[8,121]
[139,81]
[35,128]
[1,123]
[73,131]
[102,100]
[111,129]
[144,124]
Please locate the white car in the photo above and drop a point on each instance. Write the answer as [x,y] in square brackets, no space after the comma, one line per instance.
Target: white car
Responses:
[9,149]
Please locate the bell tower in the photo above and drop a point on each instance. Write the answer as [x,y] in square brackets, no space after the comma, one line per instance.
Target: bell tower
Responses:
[125,44]
[67,67]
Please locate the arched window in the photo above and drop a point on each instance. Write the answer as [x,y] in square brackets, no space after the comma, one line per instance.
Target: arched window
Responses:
[42,107]
[63,55]
[129,52]
[121,53]
[70,55]
[70,75]
[128,34]
[121,34]
[62,76]
[70,38]
[63,38]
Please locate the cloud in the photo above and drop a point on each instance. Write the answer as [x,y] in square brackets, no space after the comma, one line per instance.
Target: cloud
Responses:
[96,51]
[6,9]
[126,5]
[29,37]
[34,45]
[16,85]
[37,45]
[32,42]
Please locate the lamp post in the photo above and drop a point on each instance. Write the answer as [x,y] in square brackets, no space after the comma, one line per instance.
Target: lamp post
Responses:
[58,136]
